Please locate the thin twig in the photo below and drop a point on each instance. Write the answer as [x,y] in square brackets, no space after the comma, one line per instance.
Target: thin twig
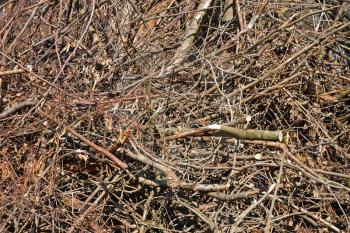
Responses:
[240,218]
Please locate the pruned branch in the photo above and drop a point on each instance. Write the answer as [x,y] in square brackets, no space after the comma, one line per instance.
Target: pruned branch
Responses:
[226,131]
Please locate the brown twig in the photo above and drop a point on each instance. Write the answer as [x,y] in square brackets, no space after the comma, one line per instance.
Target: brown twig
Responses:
[234,196]
[226,131]
[172,180]
[240,218]
[11,72]
[112,157]
[17,107]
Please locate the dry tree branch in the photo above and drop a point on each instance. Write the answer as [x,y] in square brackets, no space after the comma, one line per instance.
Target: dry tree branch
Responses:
[40,78]
[86,29]
[112,157]
[289,60]
[242,120]
[17,107]
[257,14]
[233,197]
[138,12]
[307,170]
[317,218]
[11,72]
[240,218]
[197,212]
[308,213]
[22,31]
[288,24]
[172,180]
[274,87]
[146,210]
[226,131]
[190,33]
[194,170]
[268,227]
[92,206]
[240,16]
[228,10]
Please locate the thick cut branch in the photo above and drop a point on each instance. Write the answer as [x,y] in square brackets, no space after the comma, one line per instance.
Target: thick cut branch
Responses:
[226,131]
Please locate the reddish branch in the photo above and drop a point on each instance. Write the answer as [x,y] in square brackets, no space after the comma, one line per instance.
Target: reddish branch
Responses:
[112,157]
[118,162]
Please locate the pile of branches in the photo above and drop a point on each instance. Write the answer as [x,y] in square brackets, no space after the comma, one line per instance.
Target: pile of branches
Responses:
[172,116]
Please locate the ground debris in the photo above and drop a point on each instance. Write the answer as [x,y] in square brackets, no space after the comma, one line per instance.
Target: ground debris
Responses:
[173,116]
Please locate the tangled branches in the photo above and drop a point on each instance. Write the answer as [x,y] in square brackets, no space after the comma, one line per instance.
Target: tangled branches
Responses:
[224,116]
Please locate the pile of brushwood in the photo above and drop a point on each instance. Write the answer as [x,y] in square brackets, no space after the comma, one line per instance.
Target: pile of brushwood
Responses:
[174,115]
